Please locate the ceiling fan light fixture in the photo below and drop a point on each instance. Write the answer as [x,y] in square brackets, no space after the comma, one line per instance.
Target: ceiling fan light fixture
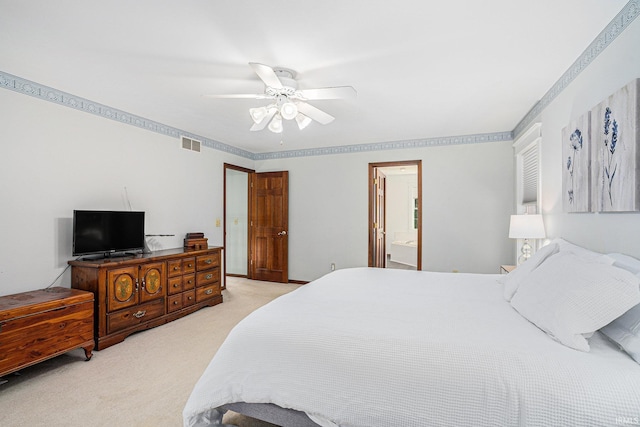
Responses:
[289,110]
[303,121]
[258,114]
[276,124]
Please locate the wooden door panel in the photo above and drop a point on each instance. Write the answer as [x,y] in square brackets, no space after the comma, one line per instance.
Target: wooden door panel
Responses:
[269,226]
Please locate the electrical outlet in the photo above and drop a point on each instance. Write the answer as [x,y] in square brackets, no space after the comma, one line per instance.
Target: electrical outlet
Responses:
[217,222]
[333,266]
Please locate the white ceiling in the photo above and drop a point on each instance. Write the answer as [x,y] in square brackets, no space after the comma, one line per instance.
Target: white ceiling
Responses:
[422,69]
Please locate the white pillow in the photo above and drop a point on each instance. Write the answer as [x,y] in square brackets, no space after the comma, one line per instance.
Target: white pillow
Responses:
[514,278]
[626,262]
[583,253]
[625,331]
[567,297]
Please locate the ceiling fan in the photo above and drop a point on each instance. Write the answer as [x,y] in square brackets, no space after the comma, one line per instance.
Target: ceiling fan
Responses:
[289,102]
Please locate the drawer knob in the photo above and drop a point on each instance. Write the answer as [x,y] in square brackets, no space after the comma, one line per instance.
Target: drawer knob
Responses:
[176,268]
[190,298]
[209,291]
[190,265]
[139,314]
[175,303]
[208,261]
[209,276]
[175,285]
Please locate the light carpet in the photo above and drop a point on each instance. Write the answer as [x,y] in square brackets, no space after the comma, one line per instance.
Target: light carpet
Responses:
[144,381]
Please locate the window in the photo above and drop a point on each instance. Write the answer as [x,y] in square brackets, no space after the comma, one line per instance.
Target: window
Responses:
[527,153]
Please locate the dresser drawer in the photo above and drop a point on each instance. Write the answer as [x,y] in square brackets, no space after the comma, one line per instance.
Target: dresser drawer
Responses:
[204,262]
[174,302]
[189,265]
[207,277]
[134,316]
[207,292]
[188,281]
[175,285]
[174,267]
[188,298]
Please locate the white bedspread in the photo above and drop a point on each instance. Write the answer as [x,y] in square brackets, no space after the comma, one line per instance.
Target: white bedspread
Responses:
[378,347]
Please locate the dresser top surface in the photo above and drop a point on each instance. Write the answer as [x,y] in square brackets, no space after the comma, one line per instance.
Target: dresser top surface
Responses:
[137,258]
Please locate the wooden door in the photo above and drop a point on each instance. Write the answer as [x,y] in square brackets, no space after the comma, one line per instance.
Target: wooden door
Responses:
[380,248]
[269,228]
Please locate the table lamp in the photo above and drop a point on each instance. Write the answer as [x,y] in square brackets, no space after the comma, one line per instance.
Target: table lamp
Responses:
[526,227]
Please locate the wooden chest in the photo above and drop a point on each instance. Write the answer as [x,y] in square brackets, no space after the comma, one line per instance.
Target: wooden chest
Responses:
[41,324]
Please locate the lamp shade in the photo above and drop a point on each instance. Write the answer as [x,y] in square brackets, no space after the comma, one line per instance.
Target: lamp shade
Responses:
[526,227]
[289,111]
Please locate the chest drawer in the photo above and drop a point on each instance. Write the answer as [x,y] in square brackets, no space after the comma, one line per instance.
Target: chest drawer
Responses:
[175,285]
[134,316]
[174,267]
[206,292]
[37,325]
[189,265]
[204,262]
[207,277]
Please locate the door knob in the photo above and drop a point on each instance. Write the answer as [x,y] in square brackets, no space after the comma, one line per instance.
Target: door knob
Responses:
[282,233]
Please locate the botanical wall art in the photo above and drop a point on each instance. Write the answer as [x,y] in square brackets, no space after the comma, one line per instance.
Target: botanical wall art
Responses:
[576,179]
[601,164]
[615,174]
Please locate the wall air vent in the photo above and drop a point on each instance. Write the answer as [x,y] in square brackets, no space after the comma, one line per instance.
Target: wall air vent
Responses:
[190,144]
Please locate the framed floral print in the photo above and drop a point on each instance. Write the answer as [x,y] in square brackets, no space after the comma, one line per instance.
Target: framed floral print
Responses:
[615,173]
[576,174]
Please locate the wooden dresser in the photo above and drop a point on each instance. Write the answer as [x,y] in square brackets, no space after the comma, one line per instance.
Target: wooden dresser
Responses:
[143,291]
[38,325]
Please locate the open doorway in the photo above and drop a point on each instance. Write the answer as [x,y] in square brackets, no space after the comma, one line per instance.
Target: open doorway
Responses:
[395,215]
[236,221]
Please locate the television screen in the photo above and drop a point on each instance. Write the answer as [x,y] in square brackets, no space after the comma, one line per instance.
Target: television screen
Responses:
[107,231]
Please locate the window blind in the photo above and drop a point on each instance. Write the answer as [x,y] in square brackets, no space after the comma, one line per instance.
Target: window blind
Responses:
[530,164]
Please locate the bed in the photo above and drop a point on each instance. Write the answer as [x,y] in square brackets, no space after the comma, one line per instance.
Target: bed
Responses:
[377,347]
[404,248]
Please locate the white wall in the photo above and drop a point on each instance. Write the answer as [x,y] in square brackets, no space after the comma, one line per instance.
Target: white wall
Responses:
[237,221]
[612,69]
[56,159]
[467,199]
[399,194]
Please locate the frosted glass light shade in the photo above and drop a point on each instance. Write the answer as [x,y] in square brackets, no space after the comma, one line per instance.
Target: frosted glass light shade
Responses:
[289,110]
[302,120]
[276,124]
[526,227]
[258,114]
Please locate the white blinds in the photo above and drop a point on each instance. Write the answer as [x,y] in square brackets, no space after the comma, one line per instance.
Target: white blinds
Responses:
[530,164]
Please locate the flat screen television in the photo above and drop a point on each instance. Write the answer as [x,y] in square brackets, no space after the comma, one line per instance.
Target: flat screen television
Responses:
[107,232]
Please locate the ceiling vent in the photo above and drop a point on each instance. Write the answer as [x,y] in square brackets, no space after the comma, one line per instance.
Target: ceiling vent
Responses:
[190,144]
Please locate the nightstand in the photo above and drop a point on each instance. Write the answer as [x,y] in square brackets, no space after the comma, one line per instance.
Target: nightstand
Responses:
[506,269]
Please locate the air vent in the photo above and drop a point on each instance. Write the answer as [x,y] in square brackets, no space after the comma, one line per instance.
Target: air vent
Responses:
[190,144]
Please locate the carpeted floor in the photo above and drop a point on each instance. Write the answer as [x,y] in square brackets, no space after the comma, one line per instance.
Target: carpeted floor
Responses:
[144,381]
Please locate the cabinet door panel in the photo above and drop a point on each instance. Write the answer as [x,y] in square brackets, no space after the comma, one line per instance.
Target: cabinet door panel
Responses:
[122,286]
[152,278]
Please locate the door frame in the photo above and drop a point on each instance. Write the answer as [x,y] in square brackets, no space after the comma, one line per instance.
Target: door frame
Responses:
[372,197]
[224,217]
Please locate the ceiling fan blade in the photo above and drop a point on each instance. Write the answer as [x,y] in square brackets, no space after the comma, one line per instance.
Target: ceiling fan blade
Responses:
[315,113]
[339,92]
[265,121]
[266,74]
[238,96]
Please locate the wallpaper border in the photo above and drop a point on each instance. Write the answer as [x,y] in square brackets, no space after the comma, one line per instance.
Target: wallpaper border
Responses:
[617,25]
[622,20]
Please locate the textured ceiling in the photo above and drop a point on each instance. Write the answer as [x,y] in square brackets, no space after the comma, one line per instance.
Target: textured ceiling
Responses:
[422,69]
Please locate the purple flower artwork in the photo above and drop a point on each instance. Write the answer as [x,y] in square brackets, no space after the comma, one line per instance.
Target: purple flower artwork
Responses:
[576,172]
[614,173]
